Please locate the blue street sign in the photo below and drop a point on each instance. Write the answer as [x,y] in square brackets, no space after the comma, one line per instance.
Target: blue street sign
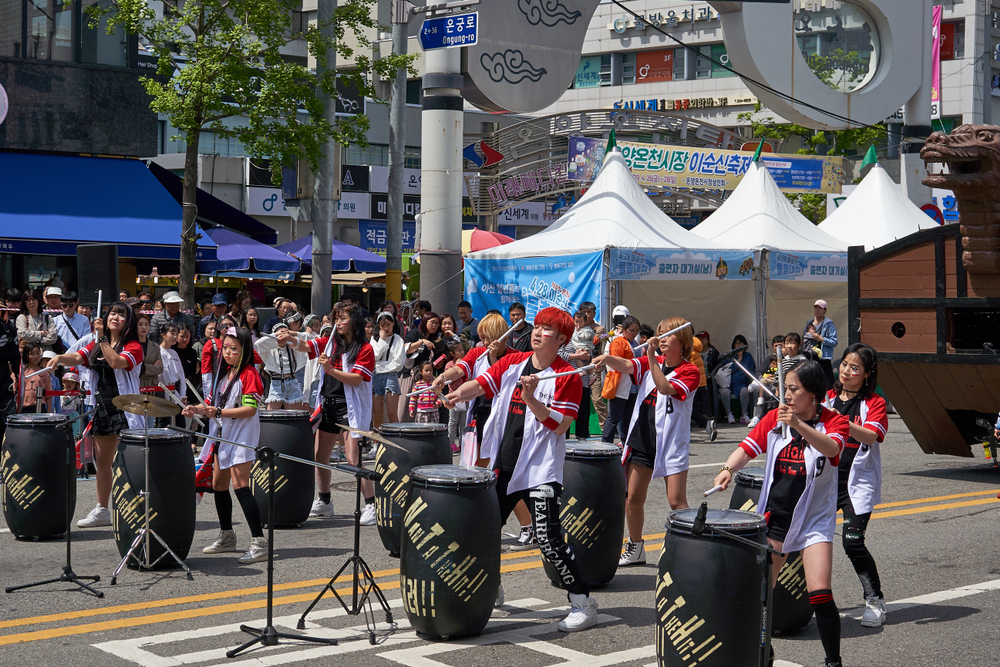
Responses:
[450,32]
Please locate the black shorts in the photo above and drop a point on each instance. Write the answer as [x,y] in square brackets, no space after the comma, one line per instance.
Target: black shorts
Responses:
[109,420]
[334,412]
[639,453]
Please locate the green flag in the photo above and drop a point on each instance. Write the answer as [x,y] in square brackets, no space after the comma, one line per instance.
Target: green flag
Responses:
[870,157]
[611,142]
[760,147]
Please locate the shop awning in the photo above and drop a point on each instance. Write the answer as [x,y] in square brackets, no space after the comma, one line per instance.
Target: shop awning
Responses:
[52,203]
[346,257]
[213,212]
[239,253]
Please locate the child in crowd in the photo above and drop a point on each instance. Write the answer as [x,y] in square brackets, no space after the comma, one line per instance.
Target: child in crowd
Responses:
[456,415]
[71,404]
[173,370]
[424,407]
[582,341]
[31,389]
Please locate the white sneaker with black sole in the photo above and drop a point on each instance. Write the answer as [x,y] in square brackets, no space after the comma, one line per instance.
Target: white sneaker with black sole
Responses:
[224,543]
[500,597]
[98,517]
[368,515]
[634,554]
[582,615]
[321,509]
[874,614]
[711,431]
[526,540]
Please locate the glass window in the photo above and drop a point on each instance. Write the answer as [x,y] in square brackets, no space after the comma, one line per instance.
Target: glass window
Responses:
[606,70]
[413,91]
[679,72]
[97,46]
[959,41]
[703,63]
[50,30]
[628,68]
[11,12]
[376,155]
[411,159]
[58,30]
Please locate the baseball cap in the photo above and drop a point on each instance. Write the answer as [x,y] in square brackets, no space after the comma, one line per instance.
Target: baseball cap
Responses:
[619,310]
[53,291]
[821,303]
[48,354]
[703,334]
[172,297]
[220,300]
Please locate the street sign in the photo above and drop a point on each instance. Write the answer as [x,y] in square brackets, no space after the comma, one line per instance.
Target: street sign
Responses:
[450,32]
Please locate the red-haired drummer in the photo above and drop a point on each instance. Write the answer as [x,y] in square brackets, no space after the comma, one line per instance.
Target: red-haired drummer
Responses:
[525,441]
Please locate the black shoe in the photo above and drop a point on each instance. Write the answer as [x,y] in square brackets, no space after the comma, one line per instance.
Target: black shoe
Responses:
[833,663]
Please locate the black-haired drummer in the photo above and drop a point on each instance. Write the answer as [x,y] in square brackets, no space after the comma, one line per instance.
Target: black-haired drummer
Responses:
[799,494]
[854,396]
[525,441]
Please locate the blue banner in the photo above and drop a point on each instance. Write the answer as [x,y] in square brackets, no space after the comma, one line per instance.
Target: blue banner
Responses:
[374,235]
[807,266]
[537,282]
[680,265]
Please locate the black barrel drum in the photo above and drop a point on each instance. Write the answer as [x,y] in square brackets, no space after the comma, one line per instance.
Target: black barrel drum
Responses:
[34,469]
[708,607]
[449,568]
[415,445]
[592,511]
[171,493]
[286,432]
[791,609]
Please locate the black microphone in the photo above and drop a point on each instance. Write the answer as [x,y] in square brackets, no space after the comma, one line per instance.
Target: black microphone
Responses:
[698,527]
[732,353]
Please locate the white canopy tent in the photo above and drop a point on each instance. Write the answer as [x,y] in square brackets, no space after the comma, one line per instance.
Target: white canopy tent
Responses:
[876,213]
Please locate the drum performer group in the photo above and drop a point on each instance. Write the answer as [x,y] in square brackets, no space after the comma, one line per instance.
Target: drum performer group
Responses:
[820,446]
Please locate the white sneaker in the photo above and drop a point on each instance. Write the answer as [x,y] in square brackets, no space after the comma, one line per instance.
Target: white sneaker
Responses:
[368,515]
[526,540]
[320,509]
[99,516]
[256,553]
[500,597]
[710,430]
[583,615]
[634,554]
[731,418]
[754,422]
[874,614]
[224,543]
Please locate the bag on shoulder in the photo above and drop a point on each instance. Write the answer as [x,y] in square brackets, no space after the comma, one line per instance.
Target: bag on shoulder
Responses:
[723,376]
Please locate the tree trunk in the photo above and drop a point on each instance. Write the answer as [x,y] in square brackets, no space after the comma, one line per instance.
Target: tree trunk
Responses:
[189,229]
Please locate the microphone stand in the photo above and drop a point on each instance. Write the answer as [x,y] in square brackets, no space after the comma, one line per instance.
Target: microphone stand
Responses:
[68,575]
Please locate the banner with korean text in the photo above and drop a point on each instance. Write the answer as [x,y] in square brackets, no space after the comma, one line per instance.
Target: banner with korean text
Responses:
[680,265]
[538,282]
[662,166]
[807,266]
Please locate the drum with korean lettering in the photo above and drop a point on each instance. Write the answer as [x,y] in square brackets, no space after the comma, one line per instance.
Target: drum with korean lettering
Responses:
[171,493]
[414,445]
[791,609]
[286,432]
[592,511]
[36,455]
[449,568]
[708,590]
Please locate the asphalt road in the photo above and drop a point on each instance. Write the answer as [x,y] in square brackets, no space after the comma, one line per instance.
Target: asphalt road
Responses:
[935,539]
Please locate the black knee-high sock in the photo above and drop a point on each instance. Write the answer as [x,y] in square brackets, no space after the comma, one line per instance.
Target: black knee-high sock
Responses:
[224,508]
[827,620]
[251,511]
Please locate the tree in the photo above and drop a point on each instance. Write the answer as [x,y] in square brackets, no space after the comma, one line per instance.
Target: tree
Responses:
[220,59]
[847,143]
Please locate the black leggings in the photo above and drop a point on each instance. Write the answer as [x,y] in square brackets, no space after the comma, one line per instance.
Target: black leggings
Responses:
[855,526]
[543,503]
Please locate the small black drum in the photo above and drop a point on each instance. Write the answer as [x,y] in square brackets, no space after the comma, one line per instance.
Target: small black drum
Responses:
[286,432]
[791,609]
[36,453]
[592,511]
[171,492]
[449,568]
[416,445]
[708,607]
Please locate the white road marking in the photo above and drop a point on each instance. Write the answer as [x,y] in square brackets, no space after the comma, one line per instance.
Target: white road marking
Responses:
[930,598]
[4,530]
[708,465]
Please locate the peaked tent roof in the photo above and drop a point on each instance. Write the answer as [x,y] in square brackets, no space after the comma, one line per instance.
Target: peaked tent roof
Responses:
[240,253]
[757,215]
[614,213]
[876,213]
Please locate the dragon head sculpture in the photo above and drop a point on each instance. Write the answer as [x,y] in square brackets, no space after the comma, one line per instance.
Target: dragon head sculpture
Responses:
[971,155]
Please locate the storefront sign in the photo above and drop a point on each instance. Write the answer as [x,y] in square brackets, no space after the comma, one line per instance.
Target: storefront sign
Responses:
[653,66]
[380,207]
[354,178]
[683,104]
[815,267]
[682,167]
[380,180]
[683,265]
[588,74]
[265,201]
[668,19]
[529,182]
[374,235]
[354,205]
[528,213]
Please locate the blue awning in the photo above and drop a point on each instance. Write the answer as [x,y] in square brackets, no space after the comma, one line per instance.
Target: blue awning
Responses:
[55,202]
[239,253]
[345,258]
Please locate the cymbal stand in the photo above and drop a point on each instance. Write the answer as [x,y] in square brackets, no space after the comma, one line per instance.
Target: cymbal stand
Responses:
[142,537]
[68,575]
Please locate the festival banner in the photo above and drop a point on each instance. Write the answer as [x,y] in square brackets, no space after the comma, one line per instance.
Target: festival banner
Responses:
[658,165]
[586,156]
[807,266]
[537,282]
[680,265]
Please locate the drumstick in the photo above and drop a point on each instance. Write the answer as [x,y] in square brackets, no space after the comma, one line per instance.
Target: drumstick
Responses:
[712,490]
[31,375]
[177,399]
[582,369]
[218,421]
[750,375]
[781,388]
[664,335]
[100,293]
[368,434]
[516,325]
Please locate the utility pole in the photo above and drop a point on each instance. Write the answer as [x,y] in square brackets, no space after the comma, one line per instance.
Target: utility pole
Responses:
[397,157]
[324,210]
[987,19]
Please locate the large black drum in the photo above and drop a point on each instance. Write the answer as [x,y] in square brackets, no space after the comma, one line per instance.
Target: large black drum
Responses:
[791,609]
[36,453]
[592,511]
[286,432]
[449,568]
[171,492]
[415,445]
[708,607]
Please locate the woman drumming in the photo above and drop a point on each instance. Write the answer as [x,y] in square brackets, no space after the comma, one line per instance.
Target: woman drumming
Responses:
[115,358]
[859,489]
[799,494]
[659,433]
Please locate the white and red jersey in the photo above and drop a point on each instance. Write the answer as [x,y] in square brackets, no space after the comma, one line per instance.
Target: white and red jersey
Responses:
[542,451]
[814,518]
[126,378]
[864,480]
[475,362]
[673,414]
[211,359]
[359,397]
[245,390]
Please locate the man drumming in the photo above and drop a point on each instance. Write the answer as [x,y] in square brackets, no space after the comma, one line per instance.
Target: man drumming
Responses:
[525,441]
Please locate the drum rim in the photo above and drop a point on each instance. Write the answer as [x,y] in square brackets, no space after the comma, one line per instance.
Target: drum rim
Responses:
[755,481]
[37,419]
[283,415]
[675,525]
[593,450]
[412,428]
[475,477]
[154,434]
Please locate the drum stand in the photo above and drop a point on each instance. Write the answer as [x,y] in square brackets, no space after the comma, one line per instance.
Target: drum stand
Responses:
[764,560]
[363,584]
[141,540]
[67,571]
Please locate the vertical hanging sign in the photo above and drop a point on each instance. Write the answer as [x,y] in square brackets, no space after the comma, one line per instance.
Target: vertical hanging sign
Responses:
[936,63]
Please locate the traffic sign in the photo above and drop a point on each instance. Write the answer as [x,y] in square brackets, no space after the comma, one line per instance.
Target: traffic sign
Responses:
[450,32]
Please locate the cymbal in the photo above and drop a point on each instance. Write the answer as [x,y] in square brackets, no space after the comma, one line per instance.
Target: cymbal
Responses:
[142,404]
